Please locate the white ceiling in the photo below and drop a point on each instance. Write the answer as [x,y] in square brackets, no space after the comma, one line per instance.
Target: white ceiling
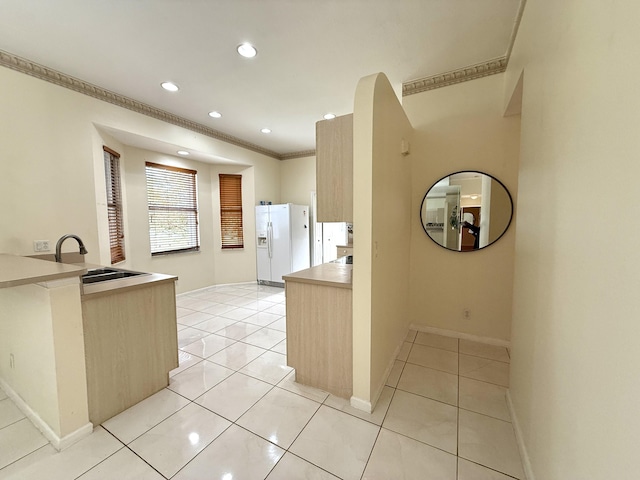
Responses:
[311,53]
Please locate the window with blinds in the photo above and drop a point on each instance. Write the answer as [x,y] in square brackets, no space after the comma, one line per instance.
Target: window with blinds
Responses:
[231,211]
[114,204]
[173,209]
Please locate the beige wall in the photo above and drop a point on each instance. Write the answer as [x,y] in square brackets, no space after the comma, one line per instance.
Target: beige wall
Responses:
[575,358]
[211,265]
[47,187]
[27,333]
[298,180]
[382,217]
[461,127]
[42,329]
[68,341]
[53,183]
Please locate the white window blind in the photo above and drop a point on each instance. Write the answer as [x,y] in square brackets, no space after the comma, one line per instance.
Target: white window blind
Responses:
[231,211]
[173,209]
[114,204]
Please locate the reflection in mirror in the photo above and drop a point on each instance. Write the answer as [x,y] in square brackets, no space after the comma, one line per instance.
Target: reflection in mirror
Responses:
[466,211]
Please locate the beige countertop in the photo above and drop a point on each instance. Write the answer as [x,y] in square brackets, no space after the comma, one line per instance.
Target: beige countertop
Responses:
[121,284]
[327,274]
[16,270]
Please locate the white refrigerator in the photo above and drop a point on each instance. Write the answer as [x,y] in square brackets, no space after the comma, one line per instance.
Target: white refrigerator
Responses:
[282,241]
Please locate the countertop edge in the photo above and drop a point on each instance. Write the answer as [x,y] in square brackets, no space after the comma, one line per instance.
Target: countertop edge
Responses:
[38,271]
[95,290]
[326,274]
[320,283]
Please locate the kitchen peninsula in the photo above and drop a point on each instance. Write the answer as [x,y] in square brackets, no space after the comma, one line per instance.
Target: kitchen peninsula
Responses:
[42,364]
[319,327]
[73,354]
[130,341]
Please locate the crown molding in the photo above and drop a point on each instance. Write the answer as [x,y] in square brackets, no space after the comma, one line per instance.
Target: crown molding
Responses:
[301,154]
[472,72]
[22,65]
[516,26]
[33,69]
[479,70]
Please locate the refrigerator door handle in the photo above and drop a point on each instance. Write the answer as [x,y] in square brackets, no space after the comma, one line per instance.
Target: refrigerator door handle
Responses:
[270,239]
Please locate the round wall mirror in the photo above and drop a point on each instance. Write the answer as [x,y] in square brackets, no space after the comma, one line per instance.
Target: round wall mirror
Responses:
[466,211]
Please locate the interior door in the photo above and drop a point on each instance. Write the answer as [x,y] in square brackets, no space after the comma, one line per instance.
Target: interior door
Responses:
[333,234]
[468,241]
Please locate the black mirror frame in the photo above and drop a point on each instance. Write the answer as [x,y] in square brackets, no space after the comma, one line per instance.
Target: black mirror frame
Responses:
[422,224]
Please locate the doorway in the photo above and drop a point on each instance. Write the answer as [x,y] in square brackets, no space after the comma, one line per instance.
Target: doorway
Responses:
[325,237]
[469,241]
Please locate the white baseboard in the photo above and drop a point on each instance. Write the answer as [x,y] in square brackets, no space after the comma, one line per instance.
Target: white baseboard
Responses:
[369,406]
[524,456]
[361,404]
[202,289]
[59,443]
[465,336]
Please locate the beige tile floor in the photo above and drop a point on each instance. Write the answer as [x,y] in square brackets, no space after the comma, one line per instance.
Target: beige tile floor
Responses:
[233,411]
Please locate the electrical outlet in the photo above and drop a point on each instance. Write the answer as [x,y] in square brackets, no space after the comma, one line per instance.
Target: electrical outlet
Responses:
[466,313]
[12,362]
[41,246]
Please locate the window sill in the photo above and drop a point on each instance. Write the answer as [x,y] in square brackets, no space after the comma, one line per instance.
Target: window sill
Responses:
[175,252]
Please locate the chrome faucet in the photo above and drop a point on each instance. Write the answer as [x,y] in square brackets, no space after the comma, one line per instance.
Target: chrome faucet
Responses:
[83,250]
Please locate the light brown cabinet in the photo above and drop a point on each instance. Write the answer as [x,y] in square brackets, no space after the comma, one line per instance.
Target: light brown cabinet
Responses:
[319,327]
[334,169]
[130,338]
[344,250]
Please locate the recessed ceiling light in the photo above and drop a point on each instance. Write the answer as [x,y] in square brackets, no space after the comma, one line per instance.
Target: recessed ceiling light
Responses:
[183,152]
[266,130]
[473,197]
[247,50]
[172,87]
[215,114]
[329,116]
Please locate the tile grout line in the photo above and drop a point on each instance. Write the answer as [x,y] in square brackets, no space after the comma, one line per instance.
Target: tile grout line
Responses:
[109,456]
[484,358]
[355,416]
[420,441]
[231,422]
[14,422]
[27,454]
[490,468]
[372,449]
[277,385]
[407,436]
[305,460]
[253,433]
[189,401]
[155,425]
[203,449]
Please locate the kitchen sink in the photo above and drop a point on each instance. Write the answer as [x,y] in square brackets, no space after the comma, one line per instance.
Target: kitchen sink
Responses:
[105,274]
